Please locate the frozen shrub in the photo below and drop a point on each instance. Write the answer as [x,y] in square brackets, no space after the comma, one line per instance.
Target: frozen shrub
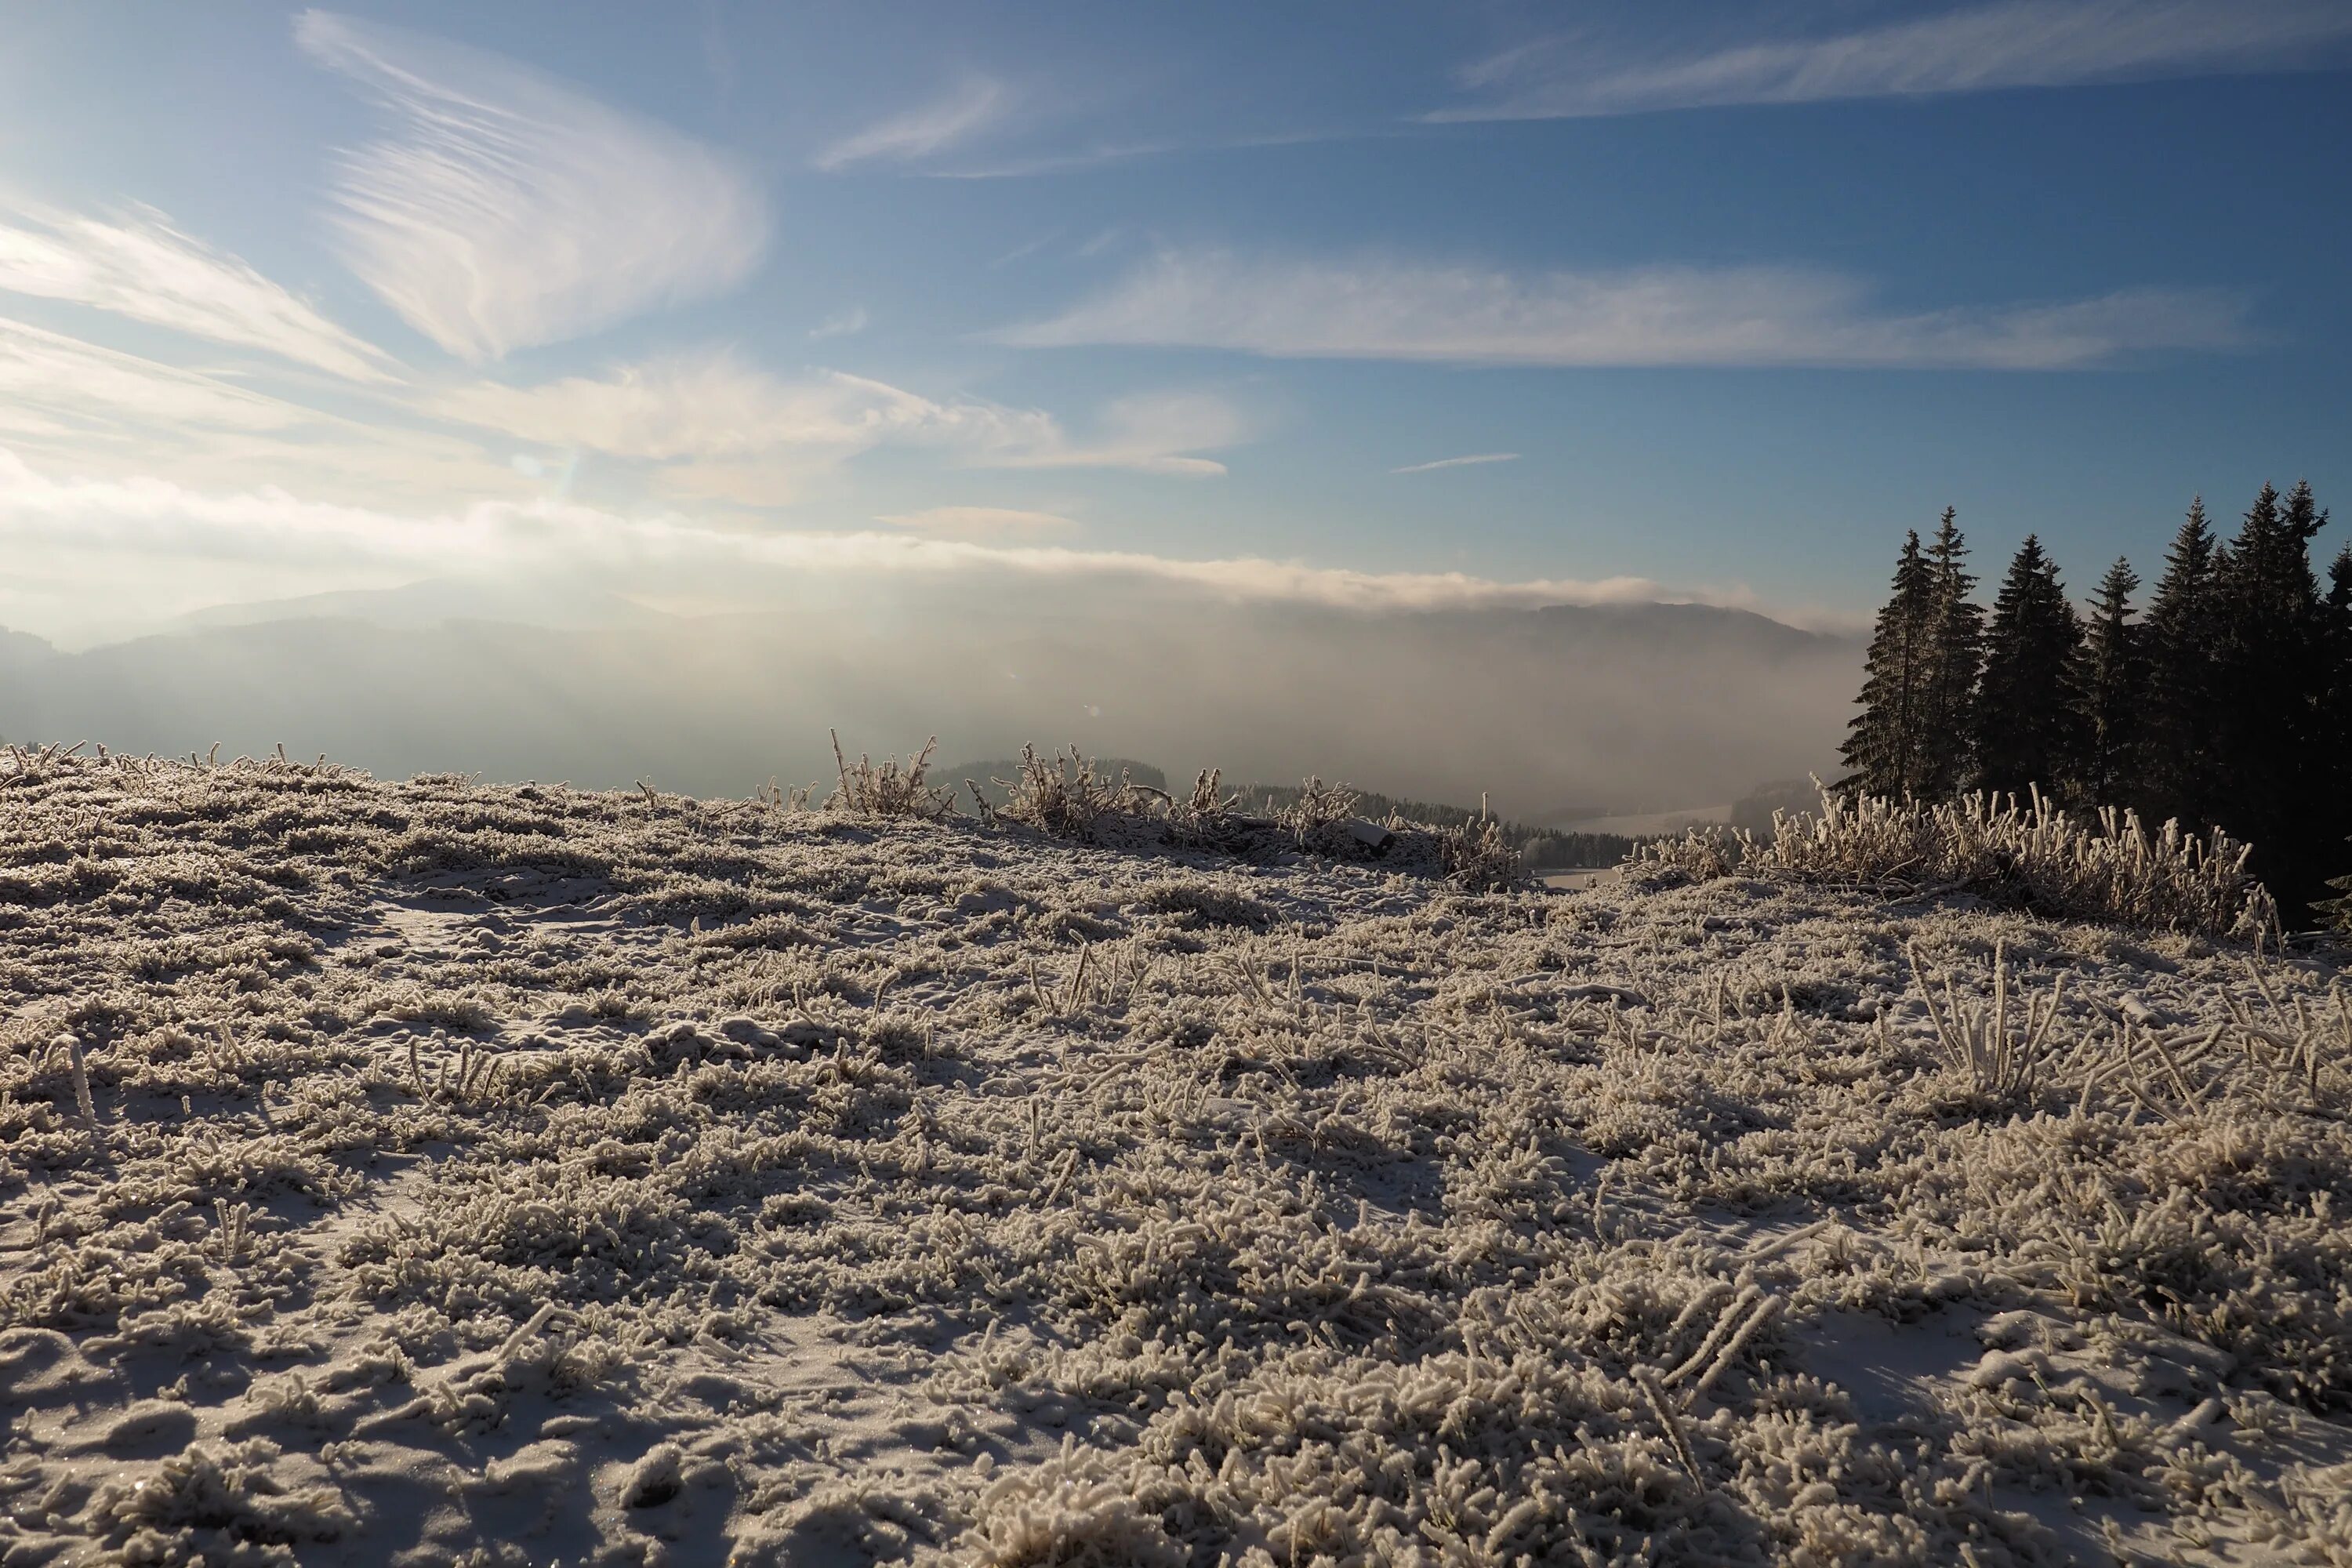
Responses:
[1319,808]
[2032,855]
[1477,854]
[1064,796]
[885,790]
[1700,854]
[1207,818]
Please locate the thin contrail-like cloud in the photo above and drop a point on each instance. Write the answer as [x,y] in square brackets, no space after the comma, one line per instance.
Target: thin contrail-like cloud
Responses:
[1473,459]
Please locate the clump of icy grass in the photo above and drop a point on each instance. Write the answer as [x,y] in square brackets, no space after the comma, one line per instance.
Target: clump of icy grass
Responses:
[1068,798]
[440,1173]
[1477,854]
[885,789]
[2032,855]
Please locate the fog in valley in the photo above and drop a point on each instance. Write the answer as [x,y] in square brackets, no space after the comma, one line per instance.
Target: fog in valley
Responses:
[1556,712]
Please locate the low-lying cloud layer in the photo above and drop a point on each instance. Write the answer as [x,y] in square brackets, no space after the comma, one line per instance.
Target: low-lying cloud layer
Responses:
[209,547]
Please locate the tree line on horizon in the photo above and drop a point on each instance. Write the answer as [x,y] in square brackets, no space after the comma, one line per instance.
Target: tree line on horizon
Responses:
[2227,704]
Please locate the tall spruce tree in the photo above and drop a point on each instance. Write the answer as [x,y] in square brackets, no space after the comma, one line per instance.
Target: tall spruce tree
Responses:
[2269,670]
[2179,770]
[2112,684]
[2029,709]
[1882,750]
[2339,723]
[1955,658]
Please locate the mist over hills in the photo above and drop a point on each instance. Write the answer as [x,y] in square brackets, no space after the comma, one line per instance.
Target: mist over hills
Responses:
[1655,705]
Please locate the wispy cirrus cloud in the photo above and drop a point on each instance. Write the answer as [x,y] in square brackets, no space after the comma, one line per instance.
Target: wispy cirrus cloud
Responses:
[511,209]
[1971,49]
[978,522]
[1471,460]
[134,263]
[739,432]
[711,405]
[1153,433]
[98,412]
[971,107]
[1750,316]
[844,324]
[71,384]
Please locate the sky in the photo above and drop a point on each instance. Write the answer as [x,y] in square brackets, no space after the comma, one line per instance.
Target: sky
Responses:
[1403,306]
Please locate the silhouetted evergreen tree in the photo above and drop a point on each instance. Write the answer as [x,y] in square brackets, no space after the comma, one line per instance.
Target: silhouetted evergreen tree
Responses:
[2029,709]
[1955,658]
[2179,775]
[2270,667]
[2337,722]
[2112,685]
[1882,750]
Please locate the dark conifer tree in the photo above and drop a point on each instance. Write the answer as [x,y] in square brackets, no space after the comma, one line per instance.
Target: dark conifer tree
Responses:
[2113,687]
[2029,711]
[2339,723]
[2333,724]
[1955,658]
[2179,775]
[2269,666]
[1883,750]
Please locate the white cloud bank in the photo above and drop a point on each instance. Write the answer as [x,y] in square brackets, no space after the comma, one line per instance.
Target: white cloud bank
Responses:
[135,264]
[968,108]
[2021,43]
[1657,316]
[94,558]
[511,209]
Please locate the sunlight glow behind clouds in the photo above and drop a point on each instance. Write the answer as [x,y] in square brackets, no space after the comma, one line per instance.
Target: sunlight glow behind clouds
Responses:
[1657,316]
[514,210]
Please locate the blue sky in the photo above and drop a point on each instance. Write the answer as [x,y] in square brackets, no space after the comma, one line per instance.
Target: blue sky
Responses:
[705,297]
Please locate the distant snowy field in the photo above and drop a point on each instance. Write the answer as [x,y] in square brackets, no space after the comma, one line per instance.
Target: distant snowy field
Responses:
[444,1172]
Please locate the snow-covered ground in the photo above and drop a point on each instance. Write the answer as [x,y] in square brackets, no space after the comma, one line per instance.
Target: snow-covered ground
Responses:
[444,1172]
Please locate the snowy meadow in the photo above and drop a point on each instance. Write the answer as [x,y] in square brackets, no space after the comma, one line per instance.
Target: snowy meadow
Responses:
[438,1171]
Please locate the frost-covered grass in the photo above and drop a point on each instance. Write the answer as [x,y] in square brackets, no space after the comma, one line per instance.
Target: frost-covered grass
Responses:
[440,1171]
[2031,854]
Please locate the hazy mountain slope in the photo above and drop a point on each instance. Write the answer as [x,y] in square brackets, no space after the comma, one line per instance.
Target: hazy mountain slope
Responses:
[1632,704]
[437,1173]
[420,606]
